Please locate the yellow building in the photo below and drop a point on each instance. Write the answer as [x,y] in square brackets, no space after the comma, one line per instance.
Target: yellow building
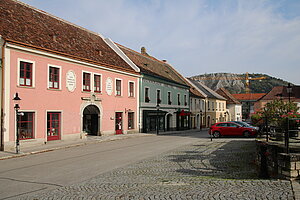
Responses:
[213,106]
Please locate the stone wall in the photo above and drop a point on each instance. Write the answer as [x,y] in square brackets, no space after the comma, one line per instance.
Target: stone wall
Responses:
[274,163]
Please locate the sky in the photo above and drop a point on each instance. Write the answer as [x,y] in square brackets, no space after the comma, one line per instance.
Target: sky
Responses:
[197,36]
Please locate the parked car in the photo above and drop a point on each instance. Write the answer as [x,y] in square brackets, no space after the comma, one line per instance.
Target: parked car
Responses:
[231,128]
[245,124]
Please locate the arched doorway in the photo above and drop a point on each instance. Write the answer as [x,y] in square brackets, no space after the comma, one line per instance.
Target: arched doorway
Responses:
[208,121]
[90,120]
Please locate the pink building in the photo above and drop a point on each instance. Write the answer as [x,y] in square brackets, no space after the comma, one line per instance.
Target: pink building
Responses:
[72,82]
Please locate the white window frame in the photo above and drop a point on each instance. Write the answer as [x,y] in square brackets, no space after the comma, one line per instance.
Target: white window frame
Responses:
[93,83]
[129,89]
[48,81]
[116,79]
[33,72]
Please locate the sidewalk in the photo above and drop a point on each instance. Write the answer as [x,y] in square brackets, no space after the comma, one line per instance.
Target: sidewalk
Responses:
[61,144]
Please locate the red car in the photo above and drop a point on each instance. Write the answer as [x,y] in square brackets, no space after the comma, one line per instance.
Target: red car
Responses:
[231,128]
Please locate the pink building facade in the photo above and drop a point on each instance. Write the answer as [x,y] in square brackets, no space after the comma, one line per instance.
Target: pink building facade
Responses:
[63,98]
[72,82]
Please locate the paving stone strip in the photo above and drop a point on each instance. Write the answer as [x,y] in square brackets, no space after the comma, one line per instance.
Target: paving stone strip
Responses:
[222,169]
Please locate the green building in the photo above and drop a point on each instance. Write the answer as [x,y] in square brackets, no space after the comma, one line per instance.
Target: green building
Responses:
[164,96]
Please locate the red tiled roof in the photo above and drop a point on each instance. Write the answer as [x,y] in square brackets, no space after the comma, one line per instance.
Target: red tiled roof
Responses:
[229,98]
[152,66]
[26,26]
[248,96]
[281,92]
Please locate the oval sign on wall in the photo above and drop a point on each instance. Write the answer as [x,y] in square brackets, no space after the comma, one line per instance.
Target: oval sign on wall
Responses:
[71,80]
[109,86]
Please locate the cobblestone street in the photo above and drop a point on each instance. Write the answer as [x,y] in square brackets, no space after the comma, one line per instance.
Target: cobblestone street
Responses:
[222,169]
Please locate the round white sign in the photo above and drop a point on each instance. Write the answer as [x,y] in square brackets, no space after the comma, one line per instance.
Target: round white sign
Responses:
[71,80]
[109,86]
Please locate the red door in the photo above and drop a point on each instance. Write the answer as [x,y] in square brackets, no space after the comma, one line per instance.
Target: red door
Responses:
[53,126]
[119,123]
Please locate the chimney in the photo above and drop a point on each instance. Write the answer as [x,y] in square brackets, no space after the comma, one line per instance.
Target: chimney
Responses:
[143,51]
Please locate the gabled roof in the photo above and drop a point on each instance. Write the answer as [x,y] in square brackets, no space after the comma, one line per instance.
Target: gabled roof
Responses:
[209,93]
[281,92]
[26,26]
[152,66]
[248,96]
[225,93]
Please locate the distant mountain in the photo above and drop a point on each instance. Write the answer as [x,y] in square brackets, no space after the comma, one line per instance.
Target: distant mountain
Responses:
[235,83]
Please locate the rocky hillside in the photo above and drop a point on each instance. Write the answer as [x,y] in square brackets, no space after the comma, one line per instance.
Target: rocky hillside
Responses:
[235,83]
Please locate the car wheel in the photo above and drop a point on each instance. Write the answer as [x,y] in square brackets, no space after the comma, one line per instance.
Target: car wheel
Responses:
[216,134]
[246,134]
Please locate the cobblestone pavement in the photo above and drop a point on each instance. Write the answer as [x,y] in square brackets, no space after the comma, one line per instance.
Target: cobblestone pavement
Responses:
[222,169]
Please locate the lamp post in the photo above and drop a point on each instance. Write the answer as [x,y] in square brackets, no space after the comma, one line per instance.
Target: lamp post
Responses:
[17,99]
[287,134]
[157,119]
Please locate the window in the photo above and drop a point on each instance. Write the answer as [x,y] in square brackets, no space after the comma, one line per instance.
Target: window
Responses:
[169,98]
[130,120]
[131,89]
[178,99]
[185,102]
[26,126]
[97,83]
[213,105]
[147,99]
[118,87]
[208,105]
[53,125]
[158,100]
[86,81]
[53,77]
[25,78]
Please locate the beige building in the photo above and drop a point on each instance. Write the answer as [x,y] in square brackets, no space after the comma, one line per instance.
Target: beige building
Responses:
[213,106]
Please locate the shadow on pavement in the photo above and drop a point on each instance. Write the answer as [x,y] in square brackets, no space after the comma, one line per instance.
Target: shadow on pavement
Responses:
[219,159]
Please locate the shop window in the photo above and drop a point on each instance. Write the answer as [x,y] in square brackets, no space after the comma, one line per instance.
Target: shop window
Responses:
[54,77]
[97,83]
[86,81]
[26,70]
[53,125]
[26,125]
[130,120]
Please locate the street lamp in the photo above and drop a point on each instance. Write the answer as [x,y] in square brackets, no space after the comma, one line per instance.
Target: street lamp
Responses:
[17,99]
[157,119]
[287,134]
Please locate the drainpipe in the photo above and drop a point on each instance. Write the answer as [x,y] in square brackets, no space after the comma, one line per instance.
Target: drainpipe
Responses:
[2,98]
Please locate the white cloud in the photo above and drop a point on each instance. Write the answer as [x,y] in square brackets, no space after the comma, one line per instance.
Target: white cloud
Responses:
[198,36]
